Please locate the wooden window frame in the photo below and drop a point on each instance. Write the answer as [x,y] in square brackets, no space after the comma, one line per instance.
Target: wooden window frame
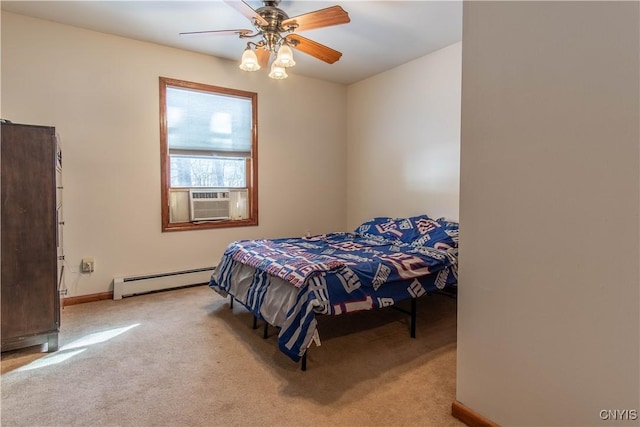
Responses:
[165,172]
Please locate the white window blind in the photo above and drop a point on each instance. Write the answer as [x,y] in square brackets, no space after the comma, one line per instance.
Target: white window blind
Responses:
[206,122]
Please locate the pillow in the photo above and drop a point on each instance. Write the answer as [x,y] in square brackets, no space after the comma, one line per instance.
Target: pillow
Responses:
[439,234]
[404,229]
[376,227]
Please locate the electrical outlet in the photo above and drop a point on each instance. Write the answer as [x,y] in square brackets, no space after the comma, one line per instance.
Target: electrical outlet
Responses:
[87,265]
[63,292]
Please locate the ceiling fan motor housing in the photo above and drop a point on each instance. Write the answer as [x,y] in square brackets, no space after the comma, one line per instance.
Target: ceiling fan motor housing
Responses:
[274,16]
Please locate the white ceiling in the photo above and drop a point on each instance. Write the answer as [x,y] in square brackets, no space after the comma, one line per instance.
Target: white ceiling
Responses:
[380,36]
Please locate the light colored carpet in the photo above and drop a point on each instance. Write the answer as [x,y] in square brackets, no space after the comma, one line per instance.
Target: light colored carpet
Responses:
[183,358]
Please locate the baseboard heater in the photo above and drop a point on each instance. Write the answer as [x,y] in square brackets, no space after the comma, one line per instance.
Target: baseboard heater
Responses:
[135,285]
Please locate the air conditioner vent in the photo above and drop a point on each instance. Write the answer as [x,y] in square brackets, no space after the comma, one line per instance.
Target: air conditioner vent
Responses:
[208,204]
[209,194]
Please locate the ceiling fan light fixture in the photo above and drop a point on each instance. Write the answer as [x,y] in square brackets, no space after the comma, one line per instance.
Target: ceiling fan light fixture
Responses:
[277,72]
[249,61]
[285,57]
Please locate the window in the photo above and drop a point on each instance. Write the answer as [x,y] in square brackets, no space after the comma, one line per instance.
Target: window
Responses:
[209,158]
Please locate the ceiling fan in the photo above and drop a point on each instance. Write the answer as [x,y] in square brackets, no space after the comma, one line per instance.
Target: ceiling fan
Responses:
[278,34]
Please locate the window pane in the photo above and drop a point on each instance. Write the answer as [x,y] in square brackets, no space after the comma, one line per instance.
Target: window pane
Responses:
[207,171]
[198,120]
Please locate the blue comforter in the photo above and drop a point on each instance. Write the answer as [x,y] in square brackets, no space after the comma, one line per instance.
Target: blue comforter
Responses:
[342,272]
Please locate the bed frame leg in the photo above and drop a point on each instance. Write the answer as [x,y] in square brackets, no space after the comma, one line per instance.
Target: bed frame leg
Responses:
[265,332]
[304,361]
[413,317]
[255,322]
[230,302]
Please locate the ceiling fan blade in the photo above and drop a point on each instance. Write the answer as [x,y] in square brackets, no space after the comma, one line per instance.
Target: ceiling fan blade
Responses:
[314,49]
[263,57]
[216,32]
[334,15]
[246,10]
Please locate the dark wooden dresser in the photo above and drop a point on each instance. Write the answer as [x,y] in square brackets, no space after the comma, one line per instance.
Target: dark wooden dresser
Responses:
[29,288]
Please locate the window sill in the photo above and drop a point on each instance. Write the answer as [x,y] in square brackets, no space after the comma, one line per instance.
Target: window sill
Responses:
[207,225]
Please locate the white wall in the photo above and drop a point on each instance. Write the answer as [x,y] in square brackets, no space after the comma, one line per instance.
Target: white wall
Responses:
[548,306]
[101,94]
[404,140]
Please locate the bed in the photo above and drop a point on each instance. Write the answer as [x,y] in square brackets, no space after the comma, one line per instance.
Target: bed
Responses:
[288,282]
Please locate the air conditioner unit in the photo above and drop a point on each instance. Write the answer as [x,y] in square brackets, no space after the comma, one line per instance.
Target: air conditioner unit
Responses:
[206,204]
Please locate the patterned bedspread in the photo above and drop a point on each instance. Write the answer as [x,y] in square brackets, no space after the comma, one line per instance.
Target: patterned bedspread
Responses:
[340,272]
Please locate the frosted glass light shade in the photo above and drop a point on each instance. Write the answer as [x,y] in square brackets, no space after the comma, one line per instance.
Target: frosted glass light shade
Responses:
[249,61]
[278,73]
[285,57]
